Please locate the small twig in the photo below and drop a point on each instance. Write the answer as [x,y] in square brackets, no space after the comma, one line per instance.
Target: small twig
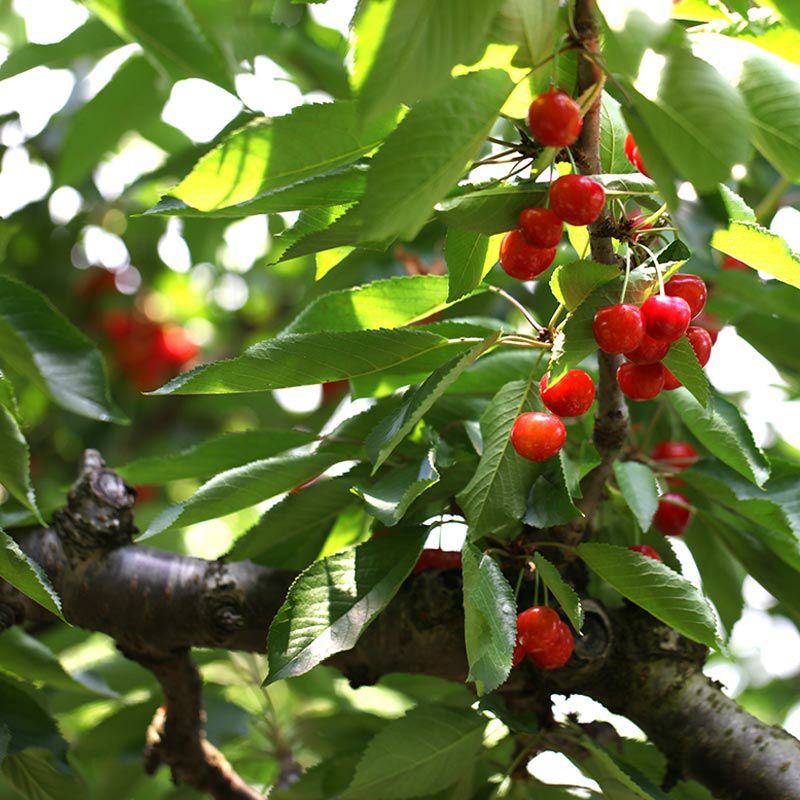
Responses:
[514,302]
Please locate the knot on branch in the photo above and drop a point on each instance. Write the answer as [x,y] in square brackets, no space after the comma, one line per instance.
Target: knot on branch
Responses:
[99,511]
[223,601]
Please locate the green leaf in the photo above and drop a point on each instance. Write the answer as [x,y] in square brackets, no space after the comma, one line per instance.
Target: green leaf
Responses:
[789,10]
[613,132]
[427,154]
[91,37]
[652,585]
[532,25]
[244,486]
[335,599]
[38,776]
[290,534]
[562,591]
[697,118]
[469,257]
[405,49]
[573,283]
[759,249]
[389,303]
[30,725]
[130,100]
[31,660]
[26,575]
[393,429]
[303,359]
[490,620]
[721,429]
[214,455]
[41,344]
[15,462]
[681,361]
[639,489]
[277,153]
[169,32]
[497,492]
[418,755]
[550,501]
[346,185]
[388,498]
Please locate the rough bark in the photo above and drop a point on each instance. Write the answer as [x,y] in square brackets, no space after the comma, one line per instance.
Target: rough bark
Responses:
[627,660]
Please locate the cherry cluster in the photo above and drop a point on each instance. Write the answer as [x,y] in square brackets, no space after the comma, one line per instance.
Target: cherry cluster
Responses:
[544,637]
[148,352]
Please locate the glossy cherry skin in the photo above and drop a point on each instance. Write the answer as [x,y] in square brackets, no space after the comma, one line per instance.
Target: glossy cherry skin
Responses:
[675,456]
[729,262]
[541,227]
[521,260]
[640,381]
[691,288]
[711,324]
[646,550]
[559,653]
[517,655]
[619,328]
[666,318]
[633,155]
[637,225]
[537,628]
[650,351]
[670,381]
[577,199]
[672,517]
[701,342]
[433,558]
[555,119]
[572,396]
[537,436]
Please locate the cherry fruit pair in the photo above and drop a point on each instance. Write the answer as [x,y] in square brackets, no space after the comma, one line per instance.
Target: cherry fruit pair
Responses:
[544,637]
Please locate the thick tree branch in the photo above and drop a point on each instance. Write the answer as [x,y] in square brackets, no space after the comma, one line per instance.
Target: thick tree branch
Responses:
[625,659]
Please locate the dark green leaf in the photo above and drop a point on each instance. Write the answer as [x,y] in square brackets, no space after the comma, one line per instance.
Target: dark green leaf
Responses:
[419,754]
[38,776]
[469,257]
[427,154]
[335,599]
[639,489]
[562,591]
[28,722]
[498,490]
[550,501]
[393,429]
[214,455]
[26,575]
[405,49]
[721,429]
[38,342]
[490,620]
[15,462]
[652,585]
[264,156]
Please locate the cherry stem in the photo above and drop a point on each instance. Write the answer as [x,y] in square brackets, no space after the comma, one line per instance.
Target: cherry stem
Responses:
[659,271]
[655,215]
[519,584]
[627,275]
[556,314]
[514,302]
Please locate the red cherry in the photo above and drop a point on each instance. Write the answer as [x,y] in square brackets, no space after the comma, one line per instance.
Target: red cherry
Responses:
[700,340]
[522,261]
[676,456]
[577,199]
[691,288]
[175,346]
[619,328]
[571,396]
[145,492]
[640,381]
[646,550]
[633,155]
[670,381]
[729,262]
[537,628]
[117,324]
[711,324]
[555,119]
[672,515]
[537,436]
[650,351]
[433,558]
[637,225]
[557,655]
[666,318]
[517,655]
[541,227]
[334,390]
